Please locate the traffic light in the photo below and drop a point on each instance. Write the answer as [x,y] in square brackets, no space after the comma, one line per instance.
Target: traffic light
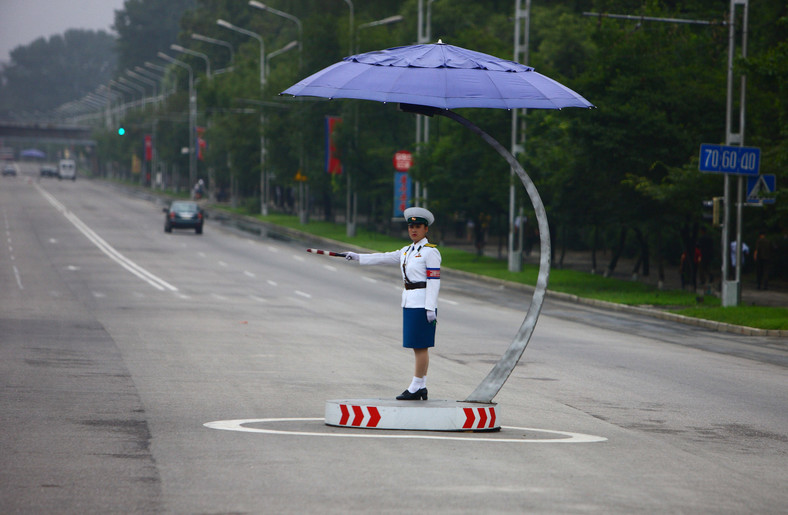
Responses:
[716,211]
[121,131]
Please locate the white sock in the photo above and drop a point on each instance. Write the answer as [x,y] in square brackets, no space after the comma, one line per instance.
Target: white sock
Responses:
[417,384]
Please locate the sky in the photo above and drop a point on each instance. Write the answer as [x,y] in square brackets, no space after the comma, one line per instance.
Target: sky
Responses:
[24,21]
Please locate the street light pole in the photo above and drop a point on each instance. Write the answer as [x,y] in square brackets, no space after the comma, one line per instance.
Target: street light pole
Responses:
[263,7]
[226,44]
[522,18]
[192,116]
[263,174]
[179,48]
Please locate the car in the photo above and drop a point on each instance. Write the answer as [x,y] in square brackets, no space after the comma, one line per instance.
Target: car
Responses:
[9,169]
[67,169]
[183,214]
[48,171]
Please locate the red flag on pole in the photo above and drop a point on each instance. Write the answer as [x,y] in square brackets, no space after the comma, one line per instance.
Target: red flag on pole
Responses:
[333,164]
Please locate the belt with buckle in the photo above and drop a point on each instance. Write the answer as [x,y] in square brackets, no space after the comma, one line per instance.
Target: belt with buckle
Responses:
[415,286]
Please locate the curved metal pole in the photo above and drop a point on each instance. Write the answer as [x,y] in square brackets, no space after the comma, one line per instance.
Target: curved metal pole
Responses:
[491,385]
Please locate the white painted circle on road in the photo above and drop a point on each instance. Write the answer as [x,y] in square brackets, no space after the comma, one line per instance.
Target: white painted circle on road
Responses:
[241,425]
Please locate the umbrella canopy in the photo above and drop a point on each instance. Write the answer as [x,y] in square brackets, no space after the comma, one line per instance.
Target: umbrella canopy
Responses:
[438,75]
[33,152]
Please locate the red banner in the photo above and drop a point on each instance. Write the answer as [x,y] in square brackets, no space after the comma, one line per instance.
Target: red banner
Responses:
[333,164]
[148,147]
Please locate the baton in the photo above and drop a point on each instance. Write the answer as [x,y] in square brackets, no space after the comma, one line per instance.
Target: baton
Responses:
[326,252]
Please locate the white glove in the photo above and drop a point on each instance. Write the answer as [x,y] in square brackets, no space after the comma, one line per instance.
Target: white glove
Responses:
[431,317]
[351,256]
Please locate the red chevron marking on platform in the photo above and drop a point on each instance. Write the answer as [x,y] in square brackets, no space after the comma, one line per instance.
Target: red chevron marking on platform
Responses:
[469,418]
[359,416]
[482,417]
[345,414]
[374,417]
[492,417]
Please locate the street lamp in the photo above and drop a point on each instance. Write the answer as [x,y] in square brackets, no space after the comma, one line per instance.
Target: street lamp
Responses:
[290,17]
[179,48]
[192,115]
[263,174]
[228,25]
[351,202]
[213,41]
[522,24]
[140,78]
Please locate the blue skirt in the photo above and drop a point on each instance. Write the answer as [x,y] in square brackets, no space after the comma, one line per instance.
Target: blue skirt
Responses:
[417,333]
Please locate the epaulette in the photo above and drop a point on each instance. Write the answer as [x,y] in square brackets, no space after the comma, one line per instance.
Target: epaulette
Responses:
[430,245]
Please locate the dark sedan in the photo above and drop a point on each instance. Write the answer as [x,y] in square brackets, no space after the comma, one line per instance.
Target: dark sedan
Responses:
[183,214]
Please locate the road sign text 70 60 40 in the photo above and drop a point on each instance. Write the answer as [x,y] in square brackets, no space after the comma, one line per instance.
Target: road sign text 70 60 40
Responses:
[726,159]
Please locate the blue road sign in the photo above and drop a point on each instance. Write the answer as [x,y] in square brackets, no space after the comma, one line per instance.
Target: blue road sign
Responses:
[761,188]
[732,160]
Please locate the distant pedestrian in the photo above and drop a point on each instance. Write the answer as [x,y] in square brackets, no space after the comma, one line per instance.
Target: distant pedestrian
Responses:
[706,247]
[764,251]
[745,251]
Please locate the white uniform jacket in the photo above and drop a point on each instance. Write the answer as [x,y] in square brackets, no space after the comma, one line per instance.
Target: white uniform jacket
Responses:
[419,262]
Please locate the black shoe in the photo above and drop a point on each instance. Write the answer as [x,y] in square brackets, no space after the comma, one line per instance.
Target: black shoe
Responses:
[418,394]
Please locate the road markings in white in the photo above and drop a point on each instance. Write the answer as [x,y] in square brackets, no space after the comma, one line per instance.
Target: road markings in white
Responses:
[303,294]
[298,258]
[258,299]
[222,263]
[218,297]
[272,283]
[249,274]
[272,249]
[18,278]
[568,437]
[369,279]
[99,295]
[450,302]
[331,268]
[52,240]
[72,268]
[105,247]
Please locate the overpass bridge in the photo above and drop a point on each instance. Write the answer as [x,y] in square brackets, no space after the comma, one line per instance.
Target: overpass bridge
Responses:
[43,132]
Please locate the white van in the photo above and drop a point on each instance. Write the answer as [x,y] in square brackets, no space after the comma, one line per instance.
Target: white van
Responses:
[67,169]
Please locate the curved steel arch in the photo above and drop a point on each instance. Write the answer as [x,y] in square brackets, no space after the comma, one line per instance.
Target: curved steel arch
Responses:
[495,379]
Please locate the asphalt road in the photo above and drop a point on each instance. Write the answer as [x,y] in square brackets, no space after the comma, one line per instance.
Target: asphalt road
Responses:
[118,343]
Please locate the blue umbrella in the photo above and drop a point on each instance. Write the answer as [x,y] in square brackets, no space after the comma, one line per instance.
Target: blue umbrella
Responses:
[432,80]
[438,75]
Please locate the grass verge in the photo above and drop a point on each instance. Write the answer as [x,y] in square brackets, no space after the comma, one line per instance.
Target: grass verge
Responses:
[582,284]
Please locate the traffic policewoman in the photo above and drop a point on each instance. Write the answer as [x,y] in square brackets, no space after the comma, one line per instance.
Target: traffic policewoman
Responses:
[420,264]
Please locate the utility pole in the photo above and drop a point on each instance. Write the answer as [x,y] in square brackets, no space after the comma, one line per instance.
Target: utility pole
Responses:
[731,290]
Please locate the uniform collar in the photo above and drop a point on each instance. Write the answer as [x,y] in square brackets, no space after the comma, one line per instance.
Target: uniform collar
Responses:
[420,243]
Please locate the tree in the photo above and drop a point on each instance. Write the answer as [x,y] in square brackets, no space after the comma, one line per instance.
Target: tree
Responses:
[50,72]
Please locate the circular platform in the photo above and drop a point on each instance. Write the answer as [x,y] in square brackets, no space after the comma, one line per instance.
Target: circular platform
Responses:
[431,415]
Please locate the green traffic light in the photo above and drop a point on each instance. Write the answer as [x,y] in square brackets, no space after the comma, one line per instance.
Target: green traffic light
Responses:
[121,131]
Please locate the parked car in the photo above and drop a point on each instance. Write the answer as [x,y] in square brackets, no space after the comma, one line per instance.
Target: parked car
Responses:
[67,169]
[48,171]
[9,169]
[183,214]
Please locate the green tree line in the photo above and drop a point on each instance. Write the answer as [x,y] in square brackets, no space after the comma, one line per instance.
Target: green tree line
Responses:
[622,177]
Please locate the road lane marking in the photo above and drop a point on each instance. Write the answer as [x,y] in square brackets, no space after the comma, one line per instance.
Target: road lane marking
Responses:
[105,247]
[303,294]
[567,436]
[249,274]
[331,268]
[272,283]
[18,278]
